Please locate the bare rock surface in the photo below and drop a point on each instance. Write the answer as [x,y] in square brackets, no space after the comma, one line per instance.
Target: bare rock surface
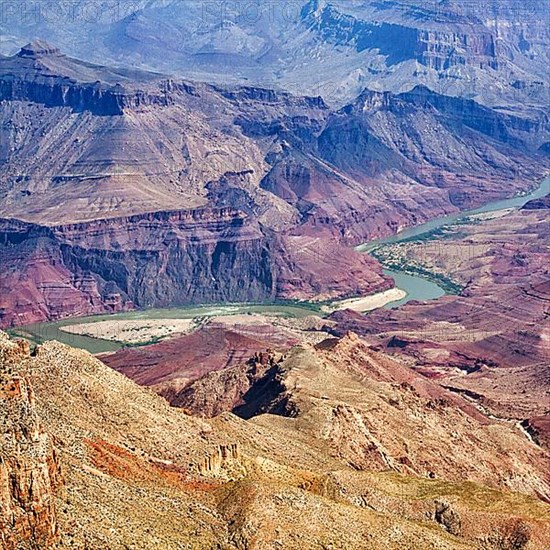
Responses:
[176,362]
[361,405]
[168,259]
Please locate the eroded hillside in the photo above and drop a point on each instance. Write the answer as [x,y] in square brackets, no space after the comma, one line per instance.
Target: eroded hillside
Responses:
[334,468]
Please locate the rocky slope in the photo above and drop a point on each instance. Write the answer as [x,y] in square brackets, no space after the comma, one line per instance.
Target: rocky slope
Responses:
[171,365]
[137,472]
[244,148]
[262,179]
[216,345]
[361,405]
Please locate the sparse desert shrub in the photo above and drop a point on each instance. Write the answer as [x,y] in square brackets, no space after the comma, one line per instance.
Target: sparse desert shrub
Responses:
[515,535]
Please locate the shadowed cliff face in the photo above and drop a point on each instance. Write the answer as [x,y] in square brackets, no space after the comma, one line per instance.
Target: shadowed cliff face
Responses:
[154,260]
[168,259]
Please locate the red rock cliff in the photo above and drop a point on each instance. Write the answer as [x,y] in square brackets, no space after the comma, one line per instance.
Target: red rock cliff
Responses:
[29,470]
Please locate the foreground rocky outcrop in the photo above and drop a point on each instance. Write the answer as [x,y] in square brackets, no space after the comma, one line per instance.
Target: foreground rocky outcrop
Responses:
[29,464]
[362,404]
[245,388]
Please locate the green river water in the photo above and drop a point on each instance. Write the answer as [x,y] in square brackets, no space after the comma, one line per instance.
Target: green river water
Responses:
[417,288]
[420,288]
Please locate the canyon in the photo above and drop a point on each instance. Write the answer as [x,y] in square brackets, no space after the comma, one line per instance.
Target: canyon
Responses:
[139,190]
[495,52]
[167,259]
[213,219]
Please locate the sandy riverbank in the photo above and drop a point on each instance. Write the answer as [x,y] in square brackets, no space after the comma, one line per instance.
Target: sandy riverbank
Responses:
[131,331]
[368,303]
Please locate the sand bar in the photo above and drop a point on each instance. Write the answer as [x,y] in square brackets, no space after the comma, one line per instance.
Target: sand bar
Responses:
[131,331]
[368,303]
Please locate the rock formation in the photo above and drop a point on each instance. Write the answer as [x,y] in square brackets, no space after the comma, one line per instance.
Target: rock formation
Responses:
[29,464]
[538,204]
[244,388]
[166,259]
[438,49]
[221,458]
[374,429]
[53,89]
[168,366]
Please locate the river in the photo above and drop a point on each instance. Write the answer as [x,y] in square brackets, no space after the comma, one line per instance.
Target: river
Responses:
[422,229]
[423,289]
[417,288]
[40,332]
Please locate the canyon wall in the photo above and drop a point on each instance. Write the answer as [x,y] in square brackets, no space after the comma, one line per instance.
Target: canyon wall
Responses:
[156,260]
[96,98]
[438,48]
[167,259]
[125,189]
[495,51]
